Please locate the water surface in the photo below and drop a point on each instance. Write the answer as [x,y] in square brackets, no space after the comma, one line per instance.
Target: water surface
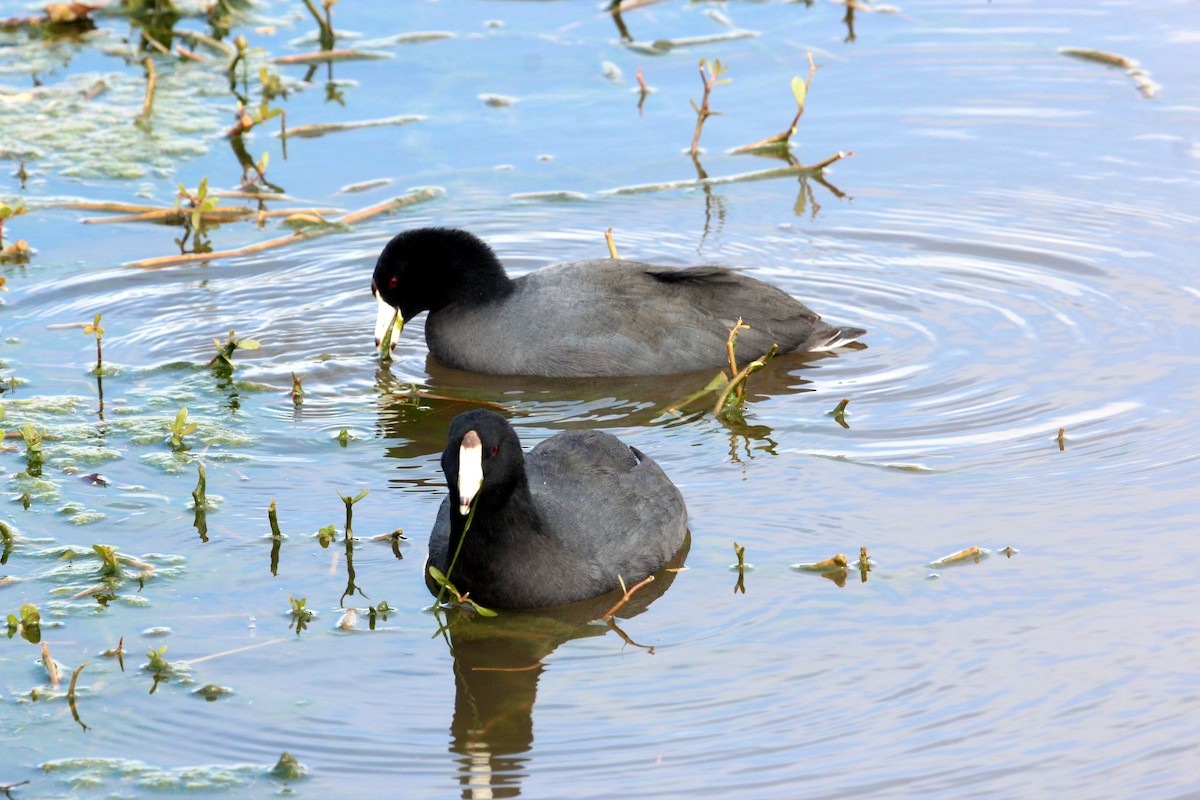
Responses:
[1016,228]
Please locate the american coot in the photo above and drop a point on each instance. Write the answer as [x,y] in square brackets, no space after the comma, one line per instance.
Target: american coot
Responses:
[566,522]
[583,318]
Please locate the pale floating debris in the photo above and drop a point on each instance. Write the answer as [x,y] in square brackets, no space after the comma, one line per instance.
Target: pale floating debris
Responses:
[1141,78]
[363,186]
[970,554]
[662,46]
[838,562]
[348,620]
[320,129]
[419,37]
[766,174]
[560,196]
[331,56]
[314,37]
[612,72]
[17,97]
[498,100]
[717,17]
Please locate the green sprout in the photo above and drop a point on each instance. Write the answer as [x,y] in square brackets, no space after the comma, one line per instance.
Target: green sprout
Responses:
[158,665]
[381,611]
[33,448]
[274,520]
[93,328]
[344,436]
[224,356]
[326,535]
[350,505]
[181,428]
[301,616]
[1,420]
[32,437]
[199,203]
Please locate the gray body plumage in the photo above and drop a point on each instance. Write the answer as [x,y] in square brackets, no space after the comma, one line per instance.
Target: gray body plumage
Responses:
[610,317]
[596,512]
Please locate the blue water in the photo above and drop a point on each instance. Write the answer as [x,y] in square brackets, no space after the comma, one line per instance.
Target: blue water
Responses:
[1016,229]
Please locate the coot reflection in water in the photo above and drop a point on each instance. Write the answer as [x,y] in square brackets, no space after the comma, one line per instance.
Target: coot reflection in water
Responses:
[497,665]
[416,427]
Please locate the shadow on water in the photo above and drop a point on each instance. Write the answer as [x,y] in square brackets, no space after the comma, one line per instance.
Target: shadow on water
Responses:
[497,664]
[416,416]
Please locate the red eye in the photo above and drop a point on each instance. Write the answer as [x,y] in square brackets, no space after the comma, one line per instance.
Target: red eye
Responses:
[495,449]
[393,282]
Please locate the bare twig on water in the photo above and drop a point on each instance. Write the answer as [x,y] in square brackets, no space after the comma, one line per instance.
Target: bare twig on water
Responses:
[148,102]
[731,343]
[331,56]
[51,666]
[612,248]
[703,112]
[828,565]
[416,196]
[625,599]
[1140,77]
[740,378]
[970,554]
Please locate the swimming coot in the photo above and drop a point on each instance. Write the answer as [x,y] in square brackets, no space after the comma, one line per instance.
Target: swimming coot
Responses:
[565,522]
[583,318]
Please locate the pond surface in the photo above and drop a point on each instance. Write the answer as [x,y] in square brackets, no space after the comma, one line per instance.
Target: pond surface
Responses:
[1017,229]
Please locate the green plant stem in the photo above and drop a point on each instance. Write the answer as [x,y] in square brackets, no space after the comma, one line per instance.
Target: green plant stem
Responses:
[450,569]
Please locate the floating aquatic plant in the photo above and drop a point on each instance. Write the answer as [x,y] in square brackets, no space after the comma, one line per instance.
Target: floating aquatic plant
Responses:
[27,622]
[326,535]
[741,566]
[110,564]
[180,428]
[350,501]
[301,616]
[198,494]
[18,250]
[839,413]
[225,350]
[199,204]
[94,328]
